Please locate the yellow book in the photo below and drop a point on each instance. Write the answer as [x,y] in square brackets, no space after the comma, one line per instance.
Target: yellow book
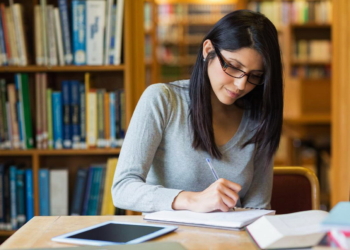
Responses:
[107,203]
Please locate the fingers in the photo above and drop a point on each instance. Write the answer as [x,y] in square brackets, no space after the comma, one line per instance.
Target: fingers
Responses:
[232,185]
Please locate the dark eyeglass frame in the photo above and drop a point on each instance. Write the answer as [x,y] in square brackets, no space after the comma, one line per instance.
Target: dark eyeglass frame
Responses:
[225,65]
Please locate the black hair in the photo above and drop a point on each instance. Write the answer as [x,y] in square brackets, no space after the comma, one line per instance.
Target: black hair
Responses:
[237,30]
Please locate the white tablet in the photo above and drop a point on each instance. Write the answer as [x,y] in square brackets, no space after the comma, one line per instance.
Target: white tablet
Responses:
[113,232]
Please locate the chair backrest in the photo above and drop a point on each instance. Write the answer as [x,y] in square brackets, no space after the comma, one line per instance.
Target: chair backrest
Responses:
[294,189]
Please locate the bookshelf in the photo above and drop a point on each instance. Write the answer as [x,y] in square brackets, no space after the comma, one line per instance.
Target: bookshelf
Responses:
[181,26]
[129,75]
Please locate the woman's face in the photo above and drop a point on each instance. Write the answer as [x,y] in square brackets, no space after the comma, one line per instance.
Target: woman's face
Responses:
[226,88]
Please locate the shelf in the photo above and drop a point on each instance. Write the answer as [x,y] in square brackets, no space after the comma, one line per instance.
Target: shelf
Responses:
[29,152]
[7,233]
[70,68]
[310,62]
[310,25]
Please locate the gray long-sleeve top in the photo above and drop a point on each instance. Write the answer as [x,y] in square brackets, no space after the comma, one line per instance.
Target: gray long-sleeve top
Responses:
[157,160]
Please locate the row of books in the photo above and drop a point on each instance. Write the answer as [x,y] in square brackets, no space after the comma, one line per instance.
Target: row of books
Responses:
[312,50]
[91,192]
[16,196]
[193,13]
[74,117]
[294,12]
[13,46]
[90,35]
[311,71]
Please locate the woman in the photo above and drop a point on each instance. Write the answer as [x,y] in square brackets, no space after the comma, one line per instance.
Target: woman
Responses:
[230,111]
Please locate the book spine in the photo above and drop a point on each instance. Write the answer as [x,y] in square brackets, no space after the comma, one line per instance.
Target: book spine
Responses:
[29,194]
[100,119]
[14,119]
[49,118]
[59,40]
[9,118]
[12,37]
[63,7]
[95,22]
[52,47]
[39,53]
[111,51]
[19,31]
[78,196]
[59,192]
[101,190]
[6,32]
[13,170]
[75,105]
[20,111]
[43,111]
[20,191]
[107,37]
[107,202]
[3,54]
[87,191]
[5,141]
[67,133]
[26,108]
[44,36]
[2,194]
[44,194]
[57,119]
[106,124]
[118,32]
[82,116]
[92,119]
[79,31]
[38,115]
[112,120]
[7,199]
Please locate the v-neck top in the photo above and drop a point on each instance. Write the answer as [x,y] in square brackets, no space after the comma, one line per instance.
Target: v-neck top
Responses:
[157,160]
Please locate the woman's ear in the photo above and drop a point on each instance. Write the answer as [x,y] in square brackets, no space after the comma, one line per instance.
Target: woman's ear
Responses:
[207,47]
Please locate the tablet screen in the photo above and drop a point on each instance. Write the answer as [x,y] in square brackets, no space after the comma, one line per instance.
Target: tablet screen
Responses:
[116,232]
[113,232]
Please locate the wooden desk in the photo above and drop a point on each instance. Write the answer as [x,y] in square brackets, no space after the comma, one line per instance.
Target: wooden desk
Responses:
[39,231]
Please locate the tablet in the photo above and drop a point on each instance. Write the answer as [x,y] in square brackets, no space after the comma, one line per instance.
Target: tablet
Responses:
[113,232]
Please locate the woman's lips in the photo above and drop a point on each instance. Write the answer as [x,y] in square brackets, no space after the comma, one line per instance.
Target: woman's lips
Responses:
[232,94]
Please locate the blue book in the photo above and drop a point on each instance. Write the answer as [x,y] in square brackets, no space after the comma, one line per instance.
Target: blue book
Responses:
[82,115]
[57,119]
[112,39]
[94,193]
[87,191]
[20,195]
[2,43]
[13,197]
[67,114]
[63,8]
[75,112]
[29,194]
[20,111]
[2,201]
[44,192]
[339,217]
[79,31]
[112,120]
[78,195]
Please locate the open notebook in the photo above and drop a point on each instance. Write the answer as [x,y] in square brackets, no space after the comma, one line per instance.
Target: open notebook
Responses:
[234,220]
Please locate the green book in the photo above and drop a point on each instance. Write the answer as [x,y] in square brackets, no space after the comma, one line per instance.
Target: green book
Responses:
[29,141]
[49,118]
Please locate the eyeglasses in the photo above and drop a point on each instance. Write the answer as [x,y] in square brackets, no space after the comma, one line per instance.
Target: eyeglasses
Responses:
[254,77]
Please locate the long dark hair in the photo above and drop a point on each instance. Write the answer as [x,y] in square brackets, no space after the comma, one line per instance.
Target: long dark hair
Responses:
[236,30]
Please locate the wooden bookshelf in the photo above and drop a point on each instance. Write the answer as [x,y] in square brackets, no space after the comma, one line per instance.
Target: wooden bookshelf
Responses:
[69,68]
[130,76]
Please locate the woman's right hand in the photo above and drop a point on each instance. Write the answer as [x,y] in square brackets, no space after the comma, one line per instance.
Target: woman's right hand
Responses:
[222,195]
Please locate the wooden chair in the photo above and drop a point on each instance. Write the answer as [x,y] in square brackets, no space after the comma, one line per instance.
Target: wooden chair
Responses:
[294,189]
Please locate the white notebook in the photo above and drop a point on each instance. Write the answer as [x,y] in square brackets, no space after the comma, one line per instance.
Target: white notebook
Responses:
[234,220]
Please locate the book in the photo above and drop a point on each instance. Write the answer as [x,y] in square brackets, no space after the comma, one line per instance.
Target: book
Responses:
[44,192]
[234,220]
[58,191]
[338,217]
[107,202]
[294,230]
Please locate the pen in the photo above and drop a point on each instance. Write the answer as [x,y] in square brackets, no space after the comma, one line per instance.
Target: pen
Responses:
[212,169]
[215,175]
